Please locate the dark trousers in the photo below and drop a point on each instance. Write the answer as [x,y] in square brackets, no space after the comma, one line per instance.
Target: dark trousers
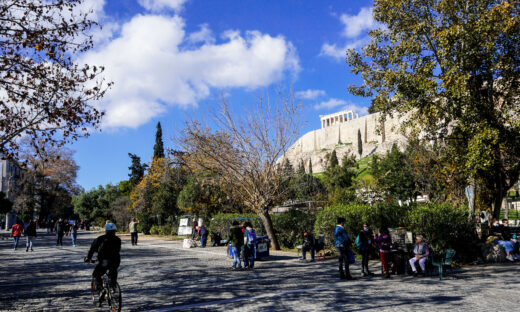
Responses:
[343,261]
[59,239]
[365,251]
[105,266]
[134,238]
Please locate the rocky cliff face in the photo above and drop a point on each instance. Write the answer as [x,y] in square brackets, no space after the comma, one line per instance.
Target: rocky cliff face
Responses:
[377,138]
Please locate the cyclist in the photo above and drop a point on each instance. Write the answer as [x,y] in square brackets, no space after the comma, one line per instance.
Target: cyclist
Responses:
[107,247]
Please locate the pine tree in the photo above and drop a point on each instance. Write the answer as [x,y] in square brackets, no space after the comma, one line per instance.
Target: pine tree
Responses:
[360,143]
[158,148]
[287,169]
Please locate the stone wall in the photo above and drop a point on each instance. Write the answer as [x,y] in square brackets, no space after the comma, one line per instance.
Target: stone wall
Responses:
[343,137]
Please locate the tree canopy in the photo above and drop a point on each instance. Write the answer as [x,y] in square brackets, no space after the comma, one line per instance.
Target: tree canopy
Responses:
[452,67]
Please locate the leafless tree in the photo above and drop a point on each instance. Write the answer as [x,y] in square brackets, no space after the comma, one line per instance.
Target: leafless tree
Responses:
[44,93]
[243,150]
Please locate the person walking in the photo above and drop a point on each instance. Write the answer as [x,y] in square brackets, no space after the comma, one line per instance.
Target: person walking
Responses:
[203,234]
[132,227]
[16,233]
[365,240]
[249,243]
[74,233]
[343,243]
[30,234]
[236,237]
[308,245]
[384,241]
[59,229]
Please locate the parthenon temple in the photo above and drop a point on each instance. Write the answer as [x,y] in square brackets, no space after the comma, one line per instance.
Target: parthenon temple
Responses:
[337,118]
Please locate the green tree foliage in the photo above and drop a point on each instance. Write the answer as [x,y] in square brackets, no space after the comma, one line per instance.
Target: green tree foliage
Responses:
[453,67]
[202,199]
[339,179]
[137,169]
[158,148]
[310,166]
[5,204]
[359,143]
[394,175]
[96,203]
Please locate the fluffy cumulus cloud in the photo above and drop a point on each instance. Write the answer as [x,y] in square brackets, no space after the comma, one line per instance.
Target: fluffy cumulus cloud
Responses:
[309,94]
[159,5]
[355,29]
[153,69]
[340,104]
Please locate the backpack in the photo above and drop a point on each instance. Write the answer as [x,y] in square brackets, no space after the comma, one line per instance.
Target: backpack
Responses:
[251,236]
[358,243]
[106,249]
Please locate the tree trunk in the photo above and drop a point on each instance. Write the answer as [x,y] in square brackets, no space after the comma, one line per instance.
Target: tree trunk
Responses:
[498,198]
[268,224]
[472,203]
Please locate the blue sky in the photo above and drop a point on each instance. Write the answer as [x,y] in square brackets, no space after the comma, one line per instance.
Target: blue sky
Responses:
[169,59]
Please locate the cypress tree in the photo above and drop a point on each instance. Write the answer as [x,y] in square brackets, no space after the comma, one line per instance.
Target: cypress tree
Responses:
[310,166]
[360,143]
[158,148]
[333,159]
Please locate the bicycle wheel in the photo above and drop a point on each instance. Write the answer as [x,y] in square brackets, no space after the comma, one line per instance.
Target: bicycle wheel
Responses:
[114,298]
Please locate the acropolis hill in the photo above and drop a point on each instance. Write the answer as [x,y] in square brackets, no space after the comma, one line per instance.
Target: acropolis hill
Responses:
[339,131]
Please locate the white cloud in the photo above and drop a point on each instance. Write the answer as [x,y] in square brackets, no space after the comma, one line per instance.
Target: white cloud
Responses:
[204,35]
[354,32]
[153,69]
[159,5]
[309,94]
[340,104]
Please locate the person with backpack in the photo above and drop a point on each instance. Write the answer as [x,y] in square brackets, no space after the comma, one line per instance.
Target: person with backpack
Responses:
[30,233]
[308,245]
[107,247]
[249,243]
[384,241]
[16,233]
[236,238]
[343,243]
[364,242]
[59,229]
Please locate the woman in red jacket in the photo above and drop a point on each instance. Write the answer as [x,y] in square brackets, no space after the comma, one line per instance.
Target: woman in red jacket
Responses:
[16,233]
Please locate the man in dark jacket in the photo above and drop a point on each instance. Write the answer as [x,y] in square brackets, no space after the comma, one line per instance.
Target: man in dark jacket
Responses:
[236,238]
[308,245]
[30,233]
[107,247]
[59,229]
[366,238]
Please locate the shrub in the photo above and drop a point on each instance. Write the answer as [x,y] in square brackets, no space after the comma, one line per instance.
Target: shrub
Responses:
[289,226]
[444,226]
[154,230]
[382,214]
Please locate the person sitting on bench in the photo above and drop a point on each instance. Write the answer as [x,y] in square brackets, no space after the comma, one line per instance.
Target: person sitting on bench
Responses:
[308,245]
[421,253]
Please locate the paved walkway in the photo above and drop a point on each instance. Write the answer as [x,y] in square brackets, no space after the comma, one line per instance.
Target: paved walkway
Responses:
[160,275]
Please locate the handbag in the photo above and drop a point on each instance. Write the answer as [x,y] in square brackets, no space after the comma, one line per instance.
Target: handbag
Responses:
[351,257]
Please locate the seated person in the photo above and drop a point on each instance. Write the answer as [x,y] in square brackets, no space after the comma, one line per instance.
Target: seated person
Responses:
[510,244]
[421,253]
[308,245]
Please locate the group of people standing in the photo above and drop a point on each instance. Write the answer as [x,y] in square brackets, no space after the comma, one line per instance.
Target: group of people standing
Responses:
[66,228]
[367,241]
[242,239]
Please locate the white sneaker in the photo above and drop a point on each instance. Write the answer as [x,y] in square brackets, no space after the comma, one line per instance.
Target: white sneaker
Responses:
[510,258]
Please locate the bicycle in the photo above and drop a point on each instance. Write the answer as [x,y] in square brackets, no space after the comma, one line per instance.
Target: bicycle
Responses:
[112,295]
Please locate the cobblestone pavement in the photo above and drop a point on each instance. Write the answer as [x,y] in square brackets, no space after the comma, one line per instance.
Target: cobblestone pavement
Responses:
[160,275]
